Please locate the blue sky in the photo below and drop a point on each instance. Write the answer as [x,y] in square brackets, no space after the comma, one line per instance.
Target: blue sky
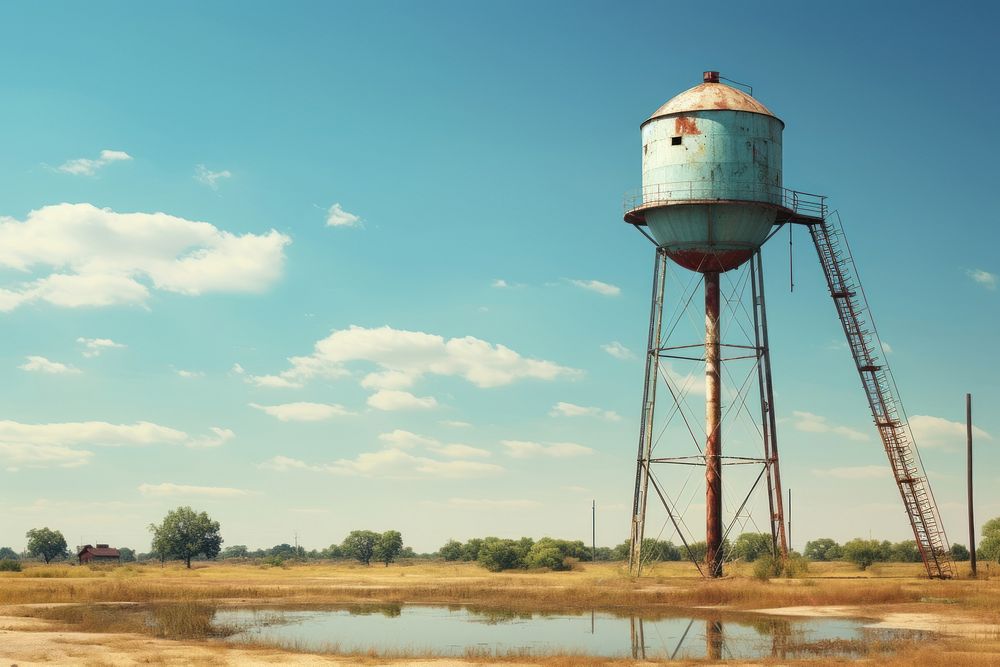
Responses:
[475,157]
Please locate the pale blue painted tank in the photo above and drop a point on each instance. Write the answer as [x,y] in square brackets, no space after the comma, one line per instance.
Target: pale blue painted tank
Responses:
[711,176]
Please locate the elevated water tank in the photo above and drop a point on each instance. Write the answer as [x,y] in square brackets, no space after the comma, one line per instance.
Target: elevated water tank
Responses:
[711,176]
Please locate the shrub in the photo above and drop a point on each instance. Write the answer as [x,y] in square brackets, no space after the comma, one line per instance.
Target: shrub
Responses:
[8,565]
[497,554]
[768,566]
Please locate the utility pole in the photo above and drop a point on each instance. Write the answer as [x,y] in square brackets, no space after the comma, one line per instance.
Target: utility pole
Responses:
[593,531]
[296,544]
[789,518]
[972,520]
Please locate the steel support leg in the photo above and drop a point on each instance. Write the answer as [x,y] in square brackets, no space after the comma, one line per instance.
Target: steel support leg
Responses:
[641,494]
[713,428]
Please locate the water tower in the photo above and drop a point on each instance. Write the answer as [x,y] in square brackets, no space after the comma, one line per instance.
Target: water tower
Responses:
[712,194]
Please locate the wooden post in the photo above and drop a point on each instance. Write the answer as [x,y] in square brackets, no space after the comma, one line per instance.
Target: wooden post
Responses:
[972,520]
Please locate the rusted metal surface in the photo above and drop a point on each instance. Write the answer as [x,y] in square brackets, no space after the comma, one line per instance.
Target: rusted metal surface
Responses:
[713,429]
[880,390]
[712,97]
[648,412]
[686,125]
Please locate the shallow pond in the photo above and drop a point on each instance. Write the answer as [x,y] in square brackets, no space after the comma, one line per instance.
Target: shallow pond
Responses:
[460,631]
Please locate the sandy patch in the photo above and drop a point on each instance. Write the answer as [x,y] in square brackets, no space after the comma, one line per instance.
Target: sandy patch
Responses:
[958,626]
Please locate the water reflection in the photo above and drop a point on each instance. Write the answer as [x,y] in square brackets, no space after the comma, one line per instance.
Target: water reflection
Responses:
[663,634]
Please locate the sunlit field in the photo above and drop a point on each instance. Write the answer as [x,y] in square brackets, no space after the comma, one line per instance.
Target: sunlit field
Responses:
[65,598]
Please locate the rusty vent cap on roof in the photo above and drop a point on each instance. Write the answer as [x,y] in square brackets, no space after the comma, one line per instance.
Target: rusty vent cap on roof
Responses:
[711,96]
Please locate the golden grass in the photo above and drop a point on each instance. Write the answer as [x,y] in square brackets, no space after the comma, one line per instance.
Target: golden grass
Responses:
[602,586]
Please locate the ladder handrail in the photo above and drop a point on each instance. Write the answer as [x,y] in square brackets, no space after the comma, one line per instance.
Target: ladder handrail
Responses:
[880,388]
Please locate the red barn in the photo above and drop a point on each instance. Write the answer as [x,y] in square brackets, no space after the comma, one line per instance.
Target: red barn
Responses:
[102,553]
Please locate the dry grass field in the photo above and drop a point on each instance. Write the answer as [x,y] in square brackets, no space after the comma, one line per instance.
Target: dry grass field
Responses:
[58,614]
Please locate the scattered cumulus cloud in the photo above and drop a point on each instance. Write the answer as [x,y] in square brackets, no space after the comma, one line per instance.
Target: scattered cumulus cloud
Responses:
[336,216]
[36,364]
[886,347]
[94,346]
[91,257]
[605,289]
[206,176]
[572,410]
[454,423]
[391,463]
[393,399]
[522,449]
[171,489]
[190,375]
[407,440]
[981,277]
[617,350]
[499,283]
[404,357]
[810,423]
[303,411]
[931,431]
[90,167]
[64,444]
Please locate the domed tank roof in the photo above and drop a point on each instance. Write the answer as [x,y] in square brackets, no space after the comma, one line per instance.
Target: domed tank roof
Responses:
[710,96]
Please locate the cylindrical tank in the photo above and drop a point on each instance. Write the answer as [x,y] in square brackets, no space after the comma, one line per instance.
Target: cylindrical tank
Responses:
[711,176]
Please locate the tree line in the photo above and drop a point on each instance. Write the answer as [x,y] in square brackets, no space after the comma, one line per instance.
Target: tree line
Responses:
[187,535]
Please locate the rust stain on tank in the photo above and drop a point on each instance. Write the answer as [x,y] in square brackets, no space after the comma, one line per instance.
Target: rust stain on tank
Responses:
[685,125]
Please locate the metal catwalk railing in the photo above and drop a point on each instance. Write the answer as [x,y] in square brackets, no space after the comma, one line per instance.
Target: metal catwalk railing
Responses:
[880,389]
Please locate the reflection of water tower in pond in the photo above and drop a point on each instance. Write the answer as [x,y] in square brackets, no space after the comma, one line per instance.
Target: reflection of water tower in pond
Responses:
[711,195]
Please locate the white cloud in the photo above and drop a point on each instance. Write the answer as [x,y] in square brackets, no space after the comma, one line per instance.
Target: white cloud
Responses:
[981,277]
[392,463]
[856,472]
[218,437]
[937,432]
[98,257]
[499,283]
[605,289]
[810,423]
[94,346]
[454,423]
[171,489]
[16,455]
[886,347]
[190,375]
[206,176]
[403,357]
[303,411]
[237,369]
[89,167]
[575,489]
[61,444]
[522,449]
[572,410]
[617,350]
[36,364]
[338,217]
[391,399]
[407,440]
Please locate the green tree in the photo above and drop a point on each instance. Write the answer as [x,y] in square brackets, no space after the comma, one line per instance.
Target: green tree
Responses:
[333,552]
[452,550]
[823,549]
[127,555]
[470,550]
[387,546]
[865,552]
[46,543]
[555,554]
[235,551]
[751,546]
[360,545]
[959,552]
[989,548]
[6,553]
[498,554]
[185,534]
[905,552]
